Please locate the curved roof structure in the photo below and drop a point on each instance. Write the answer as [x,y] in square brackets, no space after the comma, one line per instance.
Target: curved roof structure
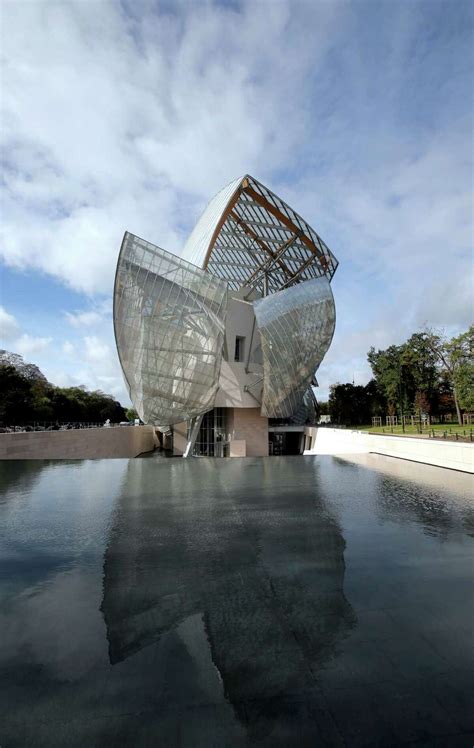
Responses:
[249,237]
[170,313]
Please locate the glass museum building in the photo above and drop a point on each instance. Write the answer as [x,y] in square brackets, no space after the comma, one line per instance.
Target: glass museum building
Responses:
[219,347]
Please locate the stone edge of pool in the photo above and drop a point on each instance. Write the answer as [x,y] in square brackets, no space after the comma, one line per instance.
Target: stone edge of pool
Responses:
[452,455]
[87,444]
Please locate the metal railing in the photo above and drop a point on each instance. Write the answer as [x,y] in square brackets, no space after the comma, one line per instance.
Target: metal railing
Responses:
[465,436]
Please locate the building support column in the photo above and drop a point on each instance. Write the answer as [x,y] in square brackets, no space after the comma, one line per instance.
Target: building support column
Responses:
[193,435]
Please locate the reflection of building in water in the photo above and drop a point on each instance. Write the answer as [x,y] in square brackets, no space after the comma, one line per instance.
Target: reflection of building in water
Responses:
[264,572]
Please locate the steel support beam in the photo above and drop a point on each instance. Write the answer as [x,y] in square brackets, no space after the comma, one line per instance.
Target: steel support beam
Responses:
[196,425]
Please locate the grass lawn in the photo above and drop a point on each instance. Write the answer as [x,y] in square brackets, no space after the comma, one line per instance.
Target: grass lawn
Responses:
[439,428]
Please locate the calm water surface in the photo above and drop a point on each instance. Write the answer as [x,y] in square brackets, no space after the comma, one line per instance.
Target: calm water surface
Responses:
[274,602]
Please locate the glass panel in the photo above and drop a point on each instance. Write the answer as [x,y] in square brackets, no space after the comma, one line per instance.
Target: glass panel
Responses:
[169,319]
[296,327]
[212,439]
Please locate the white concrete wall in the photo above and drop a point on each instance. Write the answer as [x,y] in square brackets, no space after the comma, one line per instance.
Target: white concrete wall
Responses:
[426,475]
[233,377]
[78,444]
[454,455]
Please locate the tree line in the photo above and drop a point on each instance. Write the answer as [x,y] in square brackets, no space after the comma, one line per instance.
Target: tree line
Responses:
[24,401]
[428,376]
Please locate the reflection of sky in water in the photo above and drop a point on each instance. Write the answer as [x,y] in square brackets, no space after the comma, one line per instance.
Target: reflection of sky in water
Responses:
[55,520]
[222,601]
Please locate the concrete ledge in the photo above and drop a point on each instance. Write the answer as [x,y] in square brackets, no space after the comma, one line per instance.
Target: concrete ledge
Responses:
[78,444]
[453,455]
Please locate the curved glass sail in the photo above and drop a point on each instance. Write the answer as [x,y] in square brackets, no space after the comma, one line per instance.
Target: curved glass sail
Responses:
[296,326]
[169,320]
[169,312]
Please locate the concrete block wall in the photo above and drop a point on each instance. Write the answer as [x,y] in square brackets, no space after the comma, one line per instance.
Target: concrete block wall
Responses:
[454,455]
[78,444]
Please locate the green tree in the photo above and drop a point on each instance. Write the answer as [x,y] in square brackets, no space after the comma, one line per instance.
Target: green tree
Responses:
[354,405]
[323,408]
[407,375]
[456,358]
[17,401]
[393,374]
[421,362]
[464,385]
[131,414]
[24,400]
[42,408]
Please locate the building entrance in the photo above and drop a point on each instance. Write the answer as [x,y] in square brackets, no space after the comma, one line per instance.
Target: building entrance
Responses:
[284,443]
[212,438]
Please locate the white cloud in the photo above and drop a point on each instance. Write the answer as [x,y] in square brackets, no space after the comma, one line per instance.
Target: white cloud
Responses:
[118,116]
[9,327]
[114,123]
[90,361]
[96,350]
[83,319]
[17,341]
[26,344]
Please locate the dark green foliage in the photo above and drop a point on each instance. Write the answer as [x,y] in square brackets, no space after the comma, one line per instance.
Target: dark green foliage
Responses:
[427,374]
[16,401]
[355,405]
[26,401]
[323,408]
[407,374]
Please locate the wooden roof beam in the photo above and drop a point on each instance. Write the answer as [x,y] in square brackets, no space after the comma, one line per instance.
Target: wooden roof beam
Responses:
[286,221]
[234,217]
[223,219]
[265,268]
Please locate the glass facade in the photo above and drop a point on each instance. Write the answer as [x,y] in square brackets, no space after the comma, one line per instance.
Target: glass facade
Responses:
[170,314]
[169,321]
[250,237]
[212,440]
[296,326]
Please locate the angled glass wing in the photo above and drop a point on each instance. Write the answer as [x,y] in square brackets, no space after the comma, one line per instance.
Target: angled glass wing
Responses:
[296,326]
[169,320]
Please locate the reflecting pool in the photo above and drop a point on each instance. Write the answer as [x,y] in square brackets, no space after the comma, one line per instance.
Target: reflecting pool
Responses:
[270,601]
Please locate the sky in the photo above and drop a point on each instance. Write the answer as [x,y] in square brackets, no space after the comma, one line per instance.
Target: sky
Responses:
[131,115]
